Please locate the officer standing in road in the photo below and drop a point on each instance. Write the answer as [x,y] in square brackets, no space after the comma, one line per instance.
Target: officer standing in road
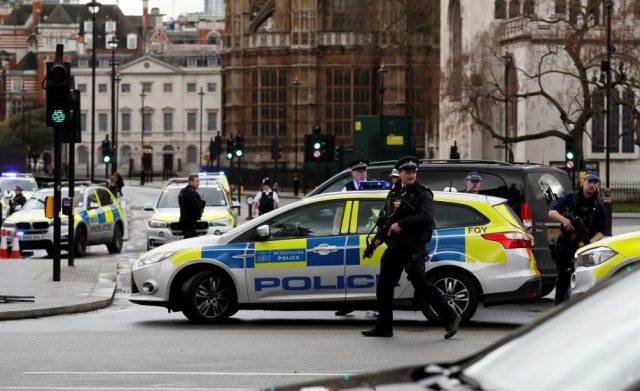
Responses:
[473,183]
[191,207]
[410,206]
[395,176]
[18,200]
[359,174]
[583,220]
[266,199]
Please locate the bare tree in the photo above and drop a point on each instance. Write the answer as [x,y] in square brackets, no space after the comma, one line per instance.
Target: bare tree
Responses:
[562,69]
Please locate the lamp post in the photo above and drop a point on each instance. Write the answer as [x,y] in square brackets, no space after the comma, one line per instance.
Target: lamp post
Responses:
[142,168]
[115,140]
[607,199]
[201,95]
[381,73]
[296,87]
[113,44]
[93,7]
[507,63]
[24,143]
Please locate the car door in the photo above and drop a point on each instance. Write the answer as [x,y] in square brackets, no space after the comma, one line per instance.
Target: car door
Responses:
[303,259]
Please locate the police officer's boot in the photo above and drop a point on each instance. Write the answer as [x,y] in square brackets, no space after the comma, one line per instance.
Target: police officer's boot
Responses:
[377,332]
[452,328]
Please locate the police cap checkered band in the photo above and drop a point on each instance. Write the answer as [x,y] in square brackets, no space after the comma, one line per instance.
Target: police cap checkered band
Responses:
[408,163]
[358,164]
[474,176]
[592,176]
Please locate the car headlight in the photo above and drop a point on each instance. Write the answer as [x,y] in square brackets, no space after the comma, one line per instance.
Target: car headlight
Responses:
[158,224]
[155,257]
[595,256]
[220,222]
[9,224]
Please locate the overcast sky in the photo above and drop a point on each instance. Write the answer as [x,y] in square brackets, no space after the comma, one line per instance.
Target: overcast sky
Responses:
[171,8]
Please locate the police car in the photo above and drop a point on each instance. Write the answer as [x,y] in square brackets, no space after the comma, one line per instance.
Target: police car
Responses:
[98,220]
[163,227]
[605,259]
[308,255]
[8,183]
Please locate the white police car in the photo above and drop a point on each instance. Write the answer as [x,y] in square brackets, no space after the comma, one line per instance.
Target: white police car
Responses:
[98,220]
[163,227]
[309,255]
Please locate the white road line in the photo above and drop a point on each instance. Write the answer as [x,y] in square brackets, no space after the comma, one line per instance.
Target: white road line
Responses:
[126,388]
[190,373]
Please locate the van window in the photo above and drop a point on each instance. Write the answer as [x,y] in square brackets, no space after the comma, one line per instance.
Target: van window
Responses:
[338,185]
[454,215]
[435,180]
[545,188]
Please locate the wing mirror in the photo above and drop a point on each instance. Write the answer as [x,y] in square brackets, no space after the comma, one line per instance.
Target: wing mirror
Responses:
[148,207]
[263,232]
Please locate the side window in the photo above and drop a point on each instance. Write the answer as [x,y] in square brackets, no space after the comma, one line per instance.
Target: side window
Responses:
[105,198]
[492,185]
[92,200]
[314,220]
[547,188]
[368,212]
[338,184]
[455,215]
[435,180]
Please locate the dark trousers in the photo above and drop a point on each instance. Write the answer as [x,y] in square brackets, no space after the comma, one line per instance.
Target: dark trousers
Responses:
[565,268]
[393,262]
[189,229]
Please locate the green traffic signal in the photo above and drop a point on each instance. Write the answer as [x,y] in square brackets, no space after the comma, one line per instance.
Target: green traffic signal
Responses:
[229,155]
[317,145]
[58,116]
[570,155]
[239,152]
[106,159]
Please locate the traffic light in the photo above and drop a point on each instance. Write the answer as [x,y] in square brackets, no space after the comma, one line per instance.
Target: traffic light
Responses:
[72,132]
[229,148]
[106,151]
[570,152]
[58,87]
[316,143]
[239,150]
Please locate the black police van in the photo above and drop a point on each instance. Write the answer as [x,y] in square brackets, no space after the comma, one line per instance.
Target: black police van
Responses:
[531,190]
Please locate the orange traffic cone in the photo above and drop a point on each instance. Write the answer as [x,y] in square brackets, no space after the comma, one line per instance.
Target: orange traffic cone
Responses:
[4,252]
[15,246]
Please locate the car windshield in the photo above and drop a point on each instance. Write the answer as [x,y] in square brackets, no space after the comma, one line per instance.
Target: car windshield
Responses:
[213,196]
[592,345]
[25,184]
[37,201]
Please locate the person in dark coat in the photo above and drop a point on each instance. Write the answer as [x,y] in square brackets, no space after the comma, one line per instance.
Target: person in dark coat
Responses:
[408,216]
[359,174]
[473,183]
[18,200]
[191,207]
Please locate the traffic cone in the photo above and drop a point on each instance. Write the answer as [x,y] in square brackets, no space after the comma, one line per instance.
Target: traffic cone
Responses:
[4,252]
[15,246]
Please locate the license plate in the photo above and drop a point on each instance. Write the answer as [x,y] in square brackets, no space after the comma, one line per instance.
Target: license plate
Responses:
[553,233]
[31,237]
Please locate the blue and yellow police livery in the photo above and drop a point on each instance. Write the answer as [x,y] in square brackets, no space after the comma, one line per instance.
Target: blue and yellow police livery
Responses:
[98,219]
[308,255]
[218,216]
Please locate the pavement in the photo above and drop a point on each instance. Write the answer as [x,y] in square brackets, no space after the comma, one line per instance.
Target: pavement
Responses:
[88,285]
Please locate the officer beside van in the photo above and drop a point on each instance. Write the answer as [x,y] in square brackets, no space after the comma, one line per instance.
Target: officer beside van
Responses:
[266,200]
[358,173]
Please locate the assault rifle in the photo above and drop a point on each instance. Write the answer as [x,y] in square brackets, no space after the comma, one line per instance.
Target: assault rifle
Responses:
[383,231]
[580,232]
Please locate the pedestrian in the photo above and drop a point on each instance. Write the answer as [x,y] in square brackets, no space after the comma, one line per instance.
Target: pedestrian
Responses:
[18,199]
[408,216]
[265,200]
[119,183]
[583,220]
[191,207]
[395,175]
[358,172]
[473,183]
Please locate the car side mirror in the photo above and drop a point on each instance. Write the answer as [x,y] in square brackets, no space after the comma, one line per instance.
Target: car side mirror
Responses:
[263,232]
[93,205]
[148,207]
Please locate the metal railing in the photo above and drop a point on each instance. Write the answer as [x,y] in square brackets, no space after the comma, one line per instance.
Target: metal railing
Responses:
[625,196]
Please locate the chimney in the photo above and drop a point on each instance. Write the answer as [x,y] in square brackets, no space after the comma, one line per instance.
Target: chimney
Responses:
[36,10]
[145,17]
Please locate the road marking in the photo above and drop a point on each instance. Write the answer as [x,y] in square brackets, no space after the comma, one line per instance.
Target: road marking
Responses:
[127,388]
[190,373]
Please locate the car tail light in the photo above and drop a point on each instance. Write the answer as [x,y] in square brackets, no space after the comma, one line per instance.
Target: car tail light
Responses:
[526,216]
[513,239]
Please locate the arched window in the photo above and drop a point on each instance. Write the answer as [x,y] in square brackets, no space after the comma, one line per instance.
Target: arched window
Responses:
[455,47]
[192,154]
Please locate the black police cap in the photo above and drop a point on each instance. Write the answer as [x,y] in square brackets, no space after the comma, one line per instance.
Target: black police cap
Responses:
[359,164]
[407,163]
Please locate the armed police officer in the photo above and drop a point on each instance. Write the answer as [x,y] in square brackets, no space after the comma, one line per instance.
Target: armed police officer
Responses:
[406,224]
[583,220]
[191,207]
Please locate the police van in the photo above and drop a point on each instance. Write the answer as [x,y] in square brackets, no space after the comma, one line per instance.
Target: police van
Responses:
[308,255]
[98,219]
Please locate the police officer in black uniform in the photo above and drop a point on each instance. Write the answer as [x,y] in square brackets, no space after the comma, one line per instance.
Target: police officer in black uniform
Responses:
[585,205]
[191,207]
[358,172]
[18,200]
[409,206]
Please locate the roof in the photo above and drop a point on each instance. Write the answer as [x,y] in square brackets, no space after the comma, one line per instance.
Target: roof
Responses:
[28,63]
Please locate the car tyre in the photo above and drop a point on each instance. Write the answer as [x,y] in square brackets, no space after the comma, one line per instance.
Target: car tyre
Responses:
[208,297]
[80,242]
[458,290]
[118,236]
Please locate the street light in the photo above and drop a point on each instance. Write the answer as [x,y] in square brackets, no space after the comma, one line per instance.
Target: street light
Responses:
[607,199]
[507,62]
[93,7]
[296,87]
[115,140]
[24,143]
[201,95]
[381,73]
[113,45]
[142,95]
